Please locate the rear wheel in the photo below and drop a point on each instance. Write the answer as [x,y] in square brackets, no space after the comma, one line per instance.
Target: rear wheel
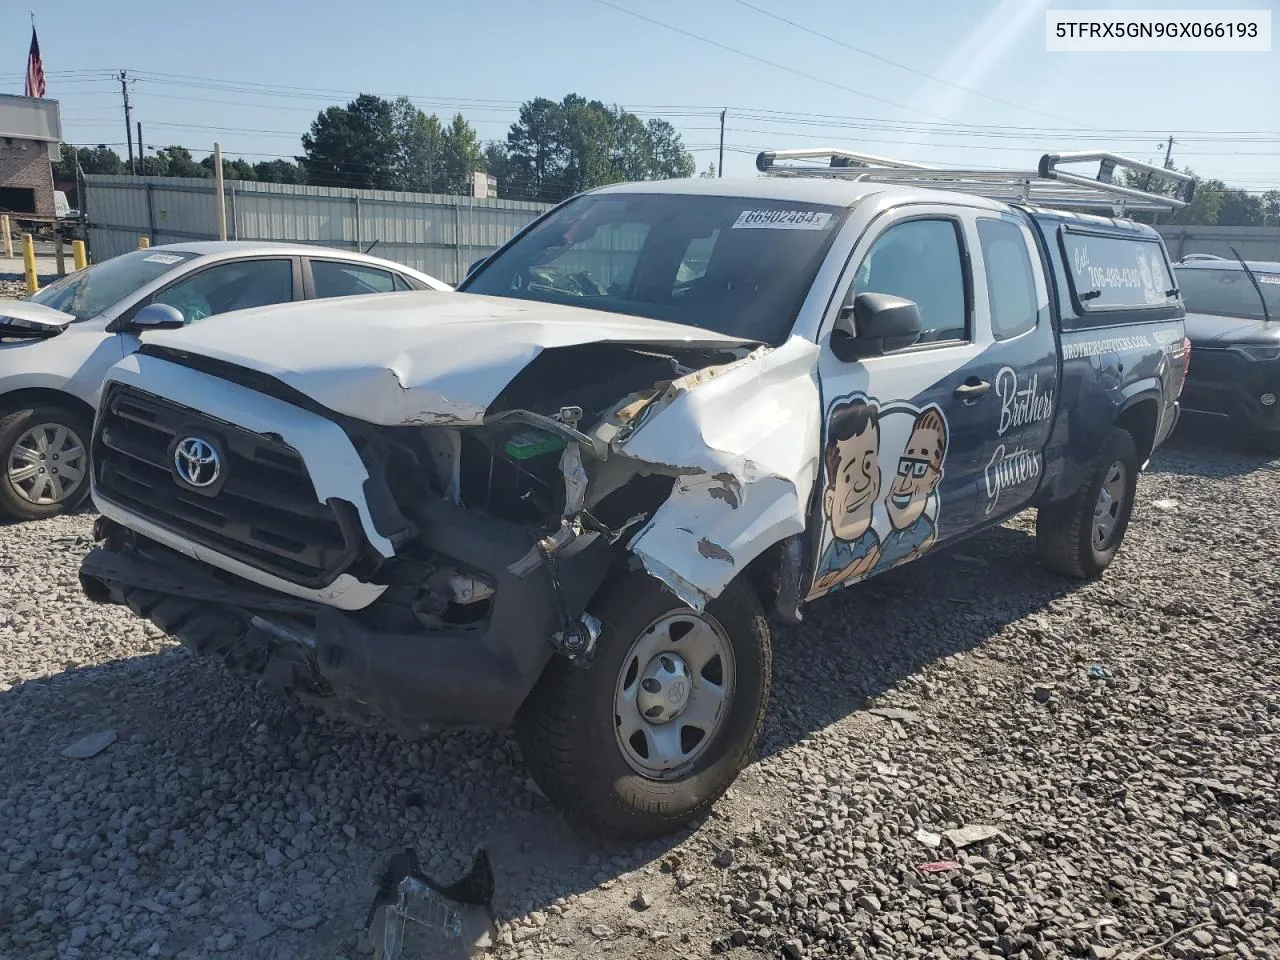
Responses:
[45,456]
[1080,536]
[652,733]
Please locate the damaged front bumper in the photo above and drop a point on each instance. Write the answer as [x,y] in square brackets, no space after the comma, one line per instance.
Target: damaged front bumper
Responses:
[460,674]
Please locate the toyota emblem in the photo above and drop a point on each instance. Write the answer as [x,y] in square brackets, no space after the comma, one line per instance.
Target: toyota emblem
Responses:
[196,462]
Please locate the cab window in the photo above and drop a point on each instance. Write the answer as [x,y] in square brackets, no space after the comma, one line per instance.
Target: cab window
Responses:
[920,260]
[1109,272]
[1011,285]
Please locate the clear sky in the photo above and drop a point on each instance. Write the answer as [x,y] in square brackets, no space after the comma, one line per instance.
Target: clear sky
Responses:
[253,75]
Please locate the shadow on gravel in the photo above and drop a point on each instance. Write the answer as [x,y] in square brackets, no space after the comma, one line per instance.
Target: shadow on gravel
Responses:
[1203,446]
[270,796]
[86,509]
[242,773]
[860,644]
[241,791]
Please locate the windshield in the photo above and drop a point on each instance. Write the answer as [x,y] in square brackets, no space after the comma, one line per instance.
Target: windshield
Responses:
[1229,293]
[734,265]
[86,293]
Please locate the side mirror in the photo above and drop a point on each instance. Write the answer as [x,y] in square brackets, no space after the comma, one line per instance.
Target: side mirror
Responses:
[475,264]
[158,316]
[875,324]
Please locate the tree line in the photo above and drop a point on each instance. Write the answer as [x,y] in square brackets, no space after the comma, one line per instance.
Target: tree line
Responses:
[1213,204]
[554,150]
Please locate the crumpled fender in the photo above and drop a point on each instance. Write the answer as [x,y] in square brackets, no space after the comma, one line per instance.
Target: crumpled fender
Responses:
[742,441]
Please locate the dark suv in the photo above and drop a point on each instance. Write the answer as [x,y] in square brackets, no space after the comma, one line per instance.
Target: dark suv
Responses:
[1233,322]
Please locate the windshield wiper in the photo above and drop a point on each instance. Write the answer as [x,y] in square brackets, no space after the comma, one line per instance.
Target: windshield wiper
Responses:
[1266,315]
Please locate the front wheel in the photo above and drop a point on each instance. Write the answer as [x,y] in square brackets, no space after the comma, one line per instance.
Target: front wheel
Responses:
[1080,536]
[652,733]
[45,454]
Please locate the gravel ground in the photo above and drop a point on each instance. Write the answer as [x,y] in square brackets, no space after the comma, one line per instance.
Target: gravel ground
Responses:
[1107,752]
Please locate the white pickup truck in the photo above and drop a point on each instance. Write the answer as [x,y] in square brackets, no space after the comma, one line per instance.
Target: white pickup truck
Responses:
[571,496]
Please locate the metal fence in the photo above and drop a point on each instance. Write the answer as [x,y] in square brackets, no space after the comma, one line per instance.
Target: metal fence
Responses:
[437,233]
[1254,243]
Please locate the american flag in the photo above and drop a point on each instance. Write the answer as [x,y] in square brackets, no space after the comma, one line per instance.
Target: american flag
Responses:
[35,69]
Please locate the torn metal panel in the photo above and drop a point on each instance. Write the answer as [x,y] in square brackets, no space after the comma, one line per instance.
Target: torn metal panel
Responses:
[742,439]
[426,361]
[414,917]
[575,479]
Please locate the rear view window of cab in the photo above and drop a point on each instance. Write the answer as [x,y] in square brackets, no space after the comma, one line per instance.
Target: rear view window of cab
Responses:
[1109,272]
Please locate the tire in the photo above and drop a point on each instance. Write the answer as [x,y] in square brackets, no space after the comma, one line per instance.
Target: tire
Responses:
[1067,533]
[32,497]
[568,727]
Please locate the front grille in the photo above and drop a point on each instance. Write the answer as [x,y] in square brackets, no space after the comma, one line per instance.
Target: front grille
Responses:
[263,511]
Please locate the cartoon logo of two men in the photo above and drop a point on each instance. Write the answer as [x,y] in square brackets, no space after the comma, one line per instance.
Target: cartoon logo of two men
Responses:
[852,462]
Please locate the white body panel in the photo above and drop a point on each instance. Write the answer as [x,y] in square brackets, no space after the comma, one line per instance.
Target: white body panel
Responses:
[404,359]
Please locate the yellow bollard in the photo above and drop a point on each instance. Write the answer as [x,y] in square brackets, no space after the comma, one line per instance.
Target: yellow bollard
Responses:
[144,242]
[77,254]
[7,236]
[29,262]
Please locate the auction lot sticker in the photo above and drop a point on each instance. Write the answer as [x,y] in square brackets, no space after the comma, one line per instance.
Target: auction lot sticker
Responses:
[781,220]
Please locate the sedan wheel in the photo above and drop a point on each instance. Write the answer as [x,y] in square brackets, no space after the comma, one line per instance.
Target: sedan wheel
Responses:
[47,464]
[44,459]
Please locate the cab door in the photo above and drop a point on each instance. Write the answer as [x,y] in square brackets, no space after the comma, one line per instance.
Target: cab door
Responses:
[904,433]
[1024,362]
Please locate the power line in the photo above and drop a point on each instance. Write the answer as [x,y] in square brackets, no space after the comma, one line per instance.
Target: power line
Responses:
[640,109]
[894,63]
[767,62]
[780,124]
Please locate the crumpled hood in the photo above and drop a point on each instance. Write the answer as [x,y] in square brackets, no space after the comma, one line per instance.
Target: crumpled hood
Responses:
[23,318]
[1205,329]
[412,358]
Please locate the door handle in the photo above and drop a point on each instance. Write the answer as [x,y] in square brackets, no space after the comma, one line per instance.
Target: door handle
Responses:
[972,389]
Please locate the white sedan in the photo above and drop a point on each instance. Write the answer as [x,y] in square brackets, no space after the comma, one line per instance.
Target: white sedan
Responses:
[56,345]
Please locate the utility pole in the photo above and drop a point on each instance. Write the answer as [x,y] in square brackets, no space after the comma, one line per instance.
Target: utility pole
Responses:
[141,166]
[219,197]
[720,166]
[128,118]
[1168,154]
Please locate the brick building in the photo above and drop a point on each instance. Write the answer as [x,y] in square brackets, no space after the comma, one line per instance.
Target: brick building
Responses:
[30,135]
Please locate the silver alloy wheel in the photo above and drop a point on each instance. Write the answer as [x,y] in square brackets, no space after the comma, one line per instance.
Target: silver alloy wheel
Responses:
[1106,512]
[673,693]
[47,464]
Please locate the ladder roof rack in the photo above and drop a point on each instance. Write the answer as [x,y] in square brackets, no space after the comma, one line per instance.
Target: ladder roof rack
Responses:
[1048,185]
